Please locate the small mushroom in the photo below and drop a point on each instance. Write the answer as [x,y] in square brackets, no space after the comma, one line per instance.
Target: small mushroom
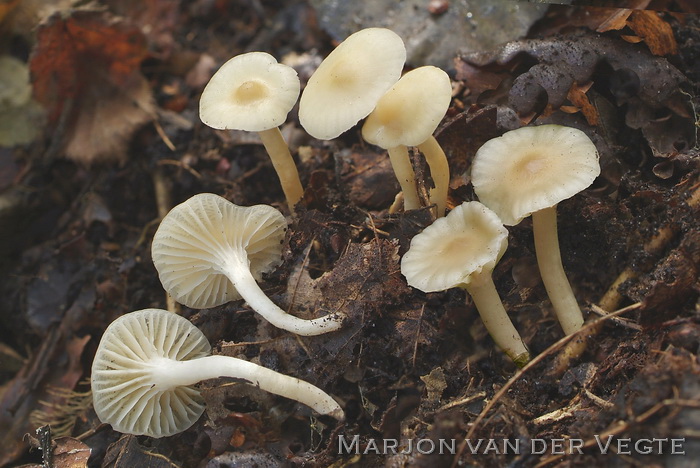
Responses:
[209,251]
[528,171]
[407,115]
[461,250]
[253,92]
[349,82]
[147,363]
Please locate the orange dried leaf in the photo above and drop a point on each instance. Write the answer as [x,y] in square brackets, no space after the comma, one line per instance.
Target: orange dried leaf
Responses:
[577,96]
[657,33]
[85,71]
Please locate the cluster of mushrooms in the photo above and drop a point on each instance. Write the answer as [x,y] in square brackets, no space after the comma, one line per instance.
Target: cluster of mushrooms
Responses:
[209,251]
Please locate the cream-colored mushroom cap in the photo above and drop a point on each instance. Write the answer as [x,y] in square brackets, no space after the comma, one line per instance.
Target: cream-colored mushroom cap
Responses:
[533,168]
[250,92]
[455,249]
[347,85]
[411,110]
[196,239]
[125,368]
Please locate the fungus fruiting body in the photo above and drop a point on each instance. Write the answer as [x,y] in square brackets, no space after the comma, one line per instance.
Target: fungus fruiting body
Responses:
[461,250]
[147,363]
[407,115]
[349,82]
[209,251]
[528,171]
[253,92]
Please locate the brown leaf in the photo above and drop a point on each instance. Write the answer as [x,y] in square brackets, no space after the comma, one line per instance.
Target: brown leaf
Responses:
[577,96]
[85,71]
[657,33]
[70,453]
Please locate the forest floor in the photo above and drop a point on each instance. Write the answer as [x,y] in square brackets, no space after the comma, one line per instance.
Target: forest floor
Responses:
[121,143]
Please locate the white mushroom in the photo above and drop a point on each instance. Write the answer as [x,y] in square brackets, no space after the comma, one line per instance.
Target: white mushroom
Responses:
[253,92]
[407,115]
[349,82]
[529,171]
[209,251]
[147,363]
[461,251]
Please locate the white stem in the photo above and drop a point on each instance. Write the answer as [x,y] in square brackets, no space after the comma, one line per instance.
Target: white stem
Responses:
[403,169]
[439,172]
[544,226]
[496,320]
[239,274]
[169,373]
[284,165]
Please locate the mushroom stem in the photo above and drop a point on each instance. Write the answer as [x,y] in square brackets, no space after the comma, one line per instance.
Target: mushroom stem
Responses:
[495,318]
[239,274]
[439,172]
[544,226]
[169,373]
[401,163]
[284,165]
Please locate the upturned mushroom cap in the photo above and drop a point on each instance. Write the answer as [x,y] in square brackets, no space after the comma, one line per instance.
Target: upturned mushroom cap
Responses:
[250,92]
[122,390]
[533,168]
[411,110]
[349,82]
[195,239]
[455,249]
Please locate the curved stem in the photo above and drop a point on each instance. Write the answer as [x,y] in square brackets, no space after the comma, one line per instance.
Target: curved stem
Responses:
[496,319]
[544,226]
[169,373]
[284,165]
[439,172]
[248,288]
[403,169]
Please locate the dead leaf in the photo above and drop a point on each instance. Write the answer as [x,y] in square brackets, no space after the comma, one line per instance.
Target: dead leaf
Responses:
[435,384]
[577,96]
[657,33]
[85,71]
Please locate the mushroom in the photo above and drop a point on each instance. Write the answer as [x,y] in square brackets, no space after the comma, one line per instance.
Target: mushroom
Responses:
[407,115]
[209,251]
[253,92]
[461,250]
[349,82]
[147,363]
[528,171]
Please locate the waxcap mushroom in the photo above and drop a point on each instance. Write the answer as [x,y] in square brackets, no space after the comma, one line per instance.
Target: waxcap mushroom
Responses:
[209,251]
[349,82]
[407,115]
[528,171]
[147,363]
[191,244]
[122,374]
[250,92]
[253,92]
[461,250]
[532,168]
[411,110]
[455,250]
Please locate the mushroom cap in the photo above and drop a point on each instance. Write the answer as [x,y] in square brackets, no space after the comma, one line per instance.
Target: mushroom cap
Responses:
[411,110]
[198,238]
[533,168]
[456,249]
[123,392]
[349,82]
[250,92]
